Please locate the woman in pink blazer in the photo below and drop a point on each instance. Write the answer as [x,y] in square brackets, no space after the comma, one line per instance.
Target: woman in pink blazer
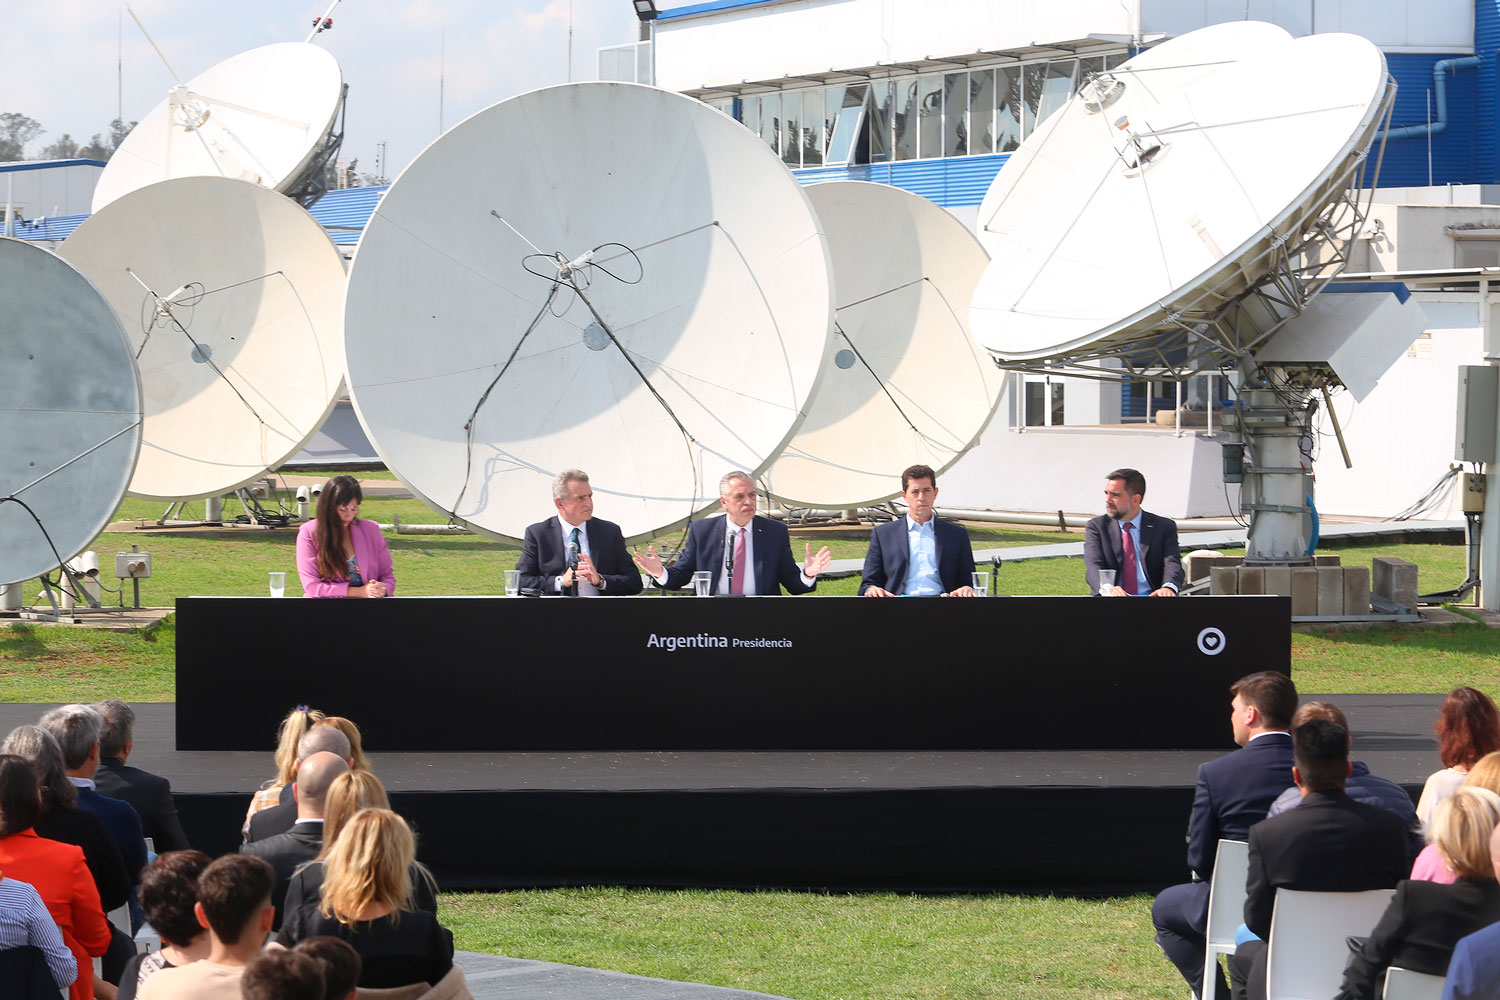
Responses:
[338,555]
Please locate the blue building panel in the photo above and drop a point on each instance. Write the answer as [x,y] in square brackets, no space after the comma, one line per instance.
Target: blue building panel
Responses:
[711,7]
[1453,149]
[344,212]
[1487,105]
[951,183]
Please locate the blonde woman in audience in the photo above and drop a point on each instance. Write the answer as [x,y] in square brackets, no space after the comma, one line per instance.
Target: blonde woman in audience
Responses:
[367,901]
[297,722]
[1425,919]
[1467,728]
[1430,865]
[349,793]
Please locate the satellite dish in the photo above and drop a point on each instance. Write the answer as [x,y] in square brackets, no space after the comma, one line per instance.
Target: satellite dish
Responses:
[70,411]
[904,381]
[261,116]
[1173,215]
[232,298]
[596,275]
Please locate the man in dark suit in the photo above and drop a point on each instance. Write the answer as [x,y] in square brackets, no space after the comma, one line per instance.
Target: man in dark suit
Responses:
[1140,547]
[919,555]
[300,844]
[1329,843]
[1233,793]
[743,553]
[575,553]
[279,818]
[150,794]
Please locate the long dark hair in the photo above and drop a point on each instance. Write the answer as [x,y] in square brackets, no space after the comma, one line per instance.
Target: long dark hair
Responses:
[20,806]
[337,491]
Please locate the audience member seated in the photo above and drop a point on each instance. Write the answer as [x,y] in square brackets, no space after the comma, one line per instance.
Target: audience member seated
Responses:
[1468,727]
[297,722]
[63,821]
[286,852]
[340,965]
[278,974]
[55,870]
[169,896]
[234,902]
[1361,786]
[351,792]
[1431,866]
[1474,972]
[367,902]
[25,923]
[1329,843]
[149,794]
[1425,919]
[1233,792]
[279,818]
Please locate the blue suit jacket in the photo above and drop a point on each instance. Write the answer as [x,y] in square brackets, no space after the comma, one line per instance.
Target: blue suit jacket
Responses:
[1233,793]
[1102,549]
[886,561]
[544,556]
[124,825]
[1474,971]
[772,546]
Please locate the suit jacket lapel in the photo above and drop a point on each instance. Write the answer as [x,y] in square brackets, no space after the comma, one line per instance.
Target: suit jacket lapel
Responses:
[900,558]
[1117,546]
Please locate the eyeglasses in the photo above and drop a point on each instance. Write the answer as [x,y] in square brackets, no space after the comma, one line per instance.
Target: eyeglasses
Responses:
[349,506]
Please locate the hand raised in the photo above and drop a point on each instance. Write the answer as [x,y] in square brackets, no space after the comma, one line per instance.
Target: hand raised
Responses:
[812,564]
[649,562]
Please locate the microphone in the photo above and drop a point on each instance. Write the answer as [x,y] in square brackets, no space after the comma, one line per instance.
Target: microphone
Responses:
[573,552]
[729,559]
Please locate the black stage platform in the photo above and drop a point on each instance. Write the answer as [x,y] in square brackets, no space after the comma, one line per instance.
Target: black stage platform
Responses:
[1046,821]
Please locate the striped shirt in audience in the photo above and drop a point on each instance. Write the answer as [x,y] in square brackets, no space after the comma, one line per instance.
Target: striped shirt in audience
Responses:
[24,921]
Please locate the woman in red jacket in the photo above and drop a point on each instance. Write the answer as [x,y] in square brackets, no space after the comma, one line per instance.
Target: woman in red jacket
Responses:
[56,871]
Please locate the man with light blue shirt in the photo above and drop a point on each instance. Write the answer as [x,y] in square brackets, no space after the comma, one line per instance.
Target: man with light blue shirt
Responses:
[919,555]
[1137,546]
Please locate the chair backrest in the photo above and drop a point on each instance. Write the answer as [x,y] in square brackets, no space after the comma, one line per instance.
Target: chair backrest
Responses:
[1226,901]
[1306,954]
[1404,984]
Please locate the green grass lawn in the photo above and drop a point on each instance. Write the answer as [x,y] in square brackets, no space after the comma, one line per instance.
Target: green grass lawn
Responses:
[804,945]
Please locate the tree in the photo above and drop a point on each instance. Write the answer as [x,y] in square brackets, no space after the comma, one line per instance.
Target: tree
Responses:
[102,147]
[16,130]
[63,149]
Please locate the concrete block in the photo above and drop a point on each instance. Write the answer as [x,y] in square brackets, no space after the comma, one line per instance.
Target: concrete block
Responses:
[1199,565]
[1304,591]
[1328,560]
[1356,590]
[1396,579]
[1252,580]
[1330,590]
[1279,580]
[1225,581]
[1380,574]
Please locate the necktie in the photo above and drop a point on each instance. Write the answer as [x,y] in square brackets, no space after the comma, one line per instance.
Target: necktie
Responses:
[737,575]
[575,549]
[1127,571]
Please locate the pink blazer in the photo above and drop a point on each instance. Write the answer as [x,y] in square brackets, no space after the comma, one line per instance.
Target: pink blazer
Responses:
[369,548]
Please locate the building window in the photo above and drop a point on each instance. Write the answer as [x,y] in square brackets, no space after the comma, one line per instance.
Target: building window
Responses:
[1008,105]
[981,124]
[770,121]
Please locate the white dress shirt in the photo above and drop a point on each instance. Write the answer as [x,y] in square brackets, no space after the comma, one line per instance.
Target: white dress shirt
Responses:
[585,589]
[921,560]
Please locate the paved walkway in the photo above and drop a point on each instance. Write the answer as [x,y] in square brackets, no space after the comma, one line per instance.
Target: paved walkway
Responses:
[493,976]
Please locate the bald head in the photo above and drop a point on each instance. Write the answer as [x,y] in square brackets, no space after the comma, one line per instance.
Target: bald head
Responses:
[321,739]
[313,779]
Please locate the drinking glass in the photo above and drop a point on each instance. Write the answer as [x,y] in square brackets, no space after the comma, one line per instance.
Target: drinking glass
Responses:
[1106,583]
[981,583]
[701,581]
[278,584]
[512,582]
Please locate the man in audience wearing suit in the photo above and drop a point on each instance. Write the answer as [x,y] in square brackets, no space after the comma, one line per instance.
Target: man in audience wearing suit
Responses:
[287,851]
[920,555]
[1474,969]
[1233,792]
[1329,843]
[1139,546]
[575,553]
[1361,785]
[280,817]
[743,554]
[150,794]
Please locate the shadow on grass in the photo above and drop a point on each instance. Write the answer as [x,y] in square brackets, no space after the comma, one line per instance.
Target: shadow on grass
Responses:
[20,642]
[1474,639]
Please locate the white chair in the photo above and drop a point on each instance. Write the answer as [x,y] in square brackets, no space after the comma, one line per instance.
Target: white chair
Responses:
[1404,984]
[1306,953]
[1226,904]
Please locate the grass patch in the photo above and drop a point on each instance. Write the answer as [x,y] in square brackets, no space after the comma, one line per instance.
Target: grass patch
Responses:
[39,663]
[877,946]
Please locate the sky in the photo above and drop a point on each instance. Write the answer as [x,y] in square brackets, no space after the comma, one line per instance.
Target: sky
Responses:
[67,60]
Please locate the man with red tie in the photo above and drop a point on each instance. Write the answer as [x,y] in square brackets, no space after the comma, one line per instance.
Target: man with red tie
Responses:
[1139,546]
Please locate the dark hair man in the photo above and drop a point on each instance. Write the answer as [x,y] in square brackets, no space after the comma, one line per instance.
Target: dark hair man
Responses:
[1232,793]
[575,553]
[920,555]
[234,903]
[1140,548]
[149,794]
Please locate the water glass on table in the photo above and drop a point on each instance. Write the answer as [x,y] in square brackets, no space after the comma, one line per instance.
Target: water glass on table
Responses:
[278,584]
[1106,583]
[702,581]
[512,582]
[981,583]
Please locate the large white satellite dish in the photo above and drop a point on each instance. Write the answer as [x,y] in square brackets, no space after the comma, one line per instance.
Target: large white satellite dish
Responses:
[597,275]
[1184,204]
[232,298]
[261,116]
[904,383]
[70,411]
